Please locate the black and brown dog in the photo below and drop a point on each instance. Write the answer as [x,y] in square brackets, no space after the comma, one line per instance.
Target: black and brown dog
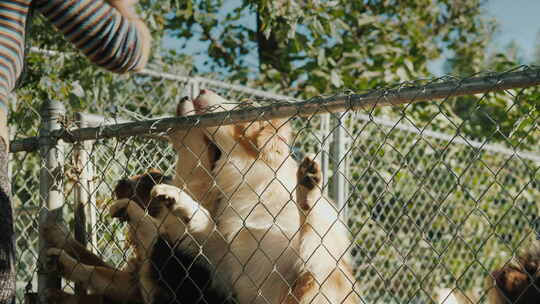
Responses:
[167,266]
[518,282]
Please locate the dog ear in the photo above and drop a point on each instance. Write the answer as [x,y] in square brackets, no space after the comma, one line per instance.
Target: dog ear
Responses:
[144,184]
[274,139]
[267,139]
[124,189]
[511,280]
[155,171]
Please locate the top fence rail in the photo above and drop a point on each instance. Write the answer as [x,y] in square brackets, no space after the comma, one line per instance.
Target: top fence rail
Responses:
[429,214]
[281,106]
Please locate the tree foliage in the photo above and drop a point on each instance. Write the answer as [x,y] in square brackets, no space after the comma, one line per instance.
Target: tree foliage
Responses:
[308,47]
[312,47]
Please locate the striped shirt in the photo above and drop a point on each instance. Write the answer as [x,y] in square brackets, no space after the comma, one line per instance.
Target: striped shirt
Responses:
[100,32]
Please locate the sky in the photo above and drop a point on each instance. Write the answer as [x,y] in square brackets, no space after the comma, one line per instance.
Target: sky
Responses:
[519,21]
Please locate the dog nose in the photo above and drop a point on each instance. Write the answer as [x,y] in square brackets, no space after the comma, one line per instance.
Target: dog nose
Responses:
[184,107]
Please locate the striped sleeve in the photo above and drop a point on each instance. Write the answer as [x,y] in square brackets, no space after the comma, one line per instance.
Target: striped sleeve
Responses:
[13,15]
[107,38]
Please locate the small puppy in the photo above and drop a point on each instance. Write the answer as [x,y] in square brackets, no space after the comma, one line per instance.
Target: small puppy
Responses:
[76,263]
[519,282]
[173,269]
[249,185]
[167,267]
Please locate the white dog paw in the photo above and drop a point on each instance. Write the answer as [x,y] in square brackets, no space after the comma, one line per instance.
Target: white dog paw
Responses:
[170,194]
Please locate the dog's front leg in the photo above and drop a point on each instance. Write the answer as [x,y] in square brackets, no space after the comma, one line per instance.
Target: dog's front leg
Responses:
[110,282]
[57,235]
[144,227]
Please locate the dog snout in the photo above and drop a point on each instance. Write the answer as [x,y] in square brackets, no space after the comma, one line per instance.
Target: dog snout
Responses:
[185,107]
[204,100]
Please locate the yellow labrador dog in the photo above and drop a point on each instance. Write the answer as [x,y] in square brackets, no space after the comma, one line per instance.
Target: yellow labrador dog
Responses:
[245,178]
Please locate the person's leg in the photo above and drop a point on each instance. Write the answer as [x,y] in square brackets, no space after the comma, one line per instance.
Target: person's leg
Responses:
[108,40]
[13,15]
[7,250]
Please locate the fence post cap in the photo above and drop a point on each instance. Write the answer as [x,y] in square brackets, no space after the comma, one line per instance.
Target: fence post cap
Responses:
[52,107]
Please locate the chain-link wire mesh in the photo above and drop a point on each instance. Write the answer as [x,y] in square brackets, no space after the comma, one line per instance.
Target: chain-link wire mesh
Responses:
[435,195]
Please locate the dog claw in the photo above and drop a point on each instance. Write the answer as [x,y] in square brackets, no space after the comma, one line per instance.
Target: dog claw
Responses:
[167,193]
[309,173]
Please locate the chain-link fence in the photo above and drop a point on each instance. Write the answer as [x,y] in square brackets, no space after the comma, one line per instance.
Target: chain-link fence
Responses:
[432,205]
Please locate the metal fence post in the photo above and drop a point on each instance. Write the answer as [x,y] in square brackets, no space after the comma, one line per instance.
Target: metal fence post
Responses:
[51,186]
[325,153]
[338,157]
[85,214]
[194,88]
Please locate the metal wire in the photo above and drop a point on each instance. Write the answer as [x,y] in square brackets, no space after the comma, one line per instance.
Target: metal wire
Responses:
[431,213]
